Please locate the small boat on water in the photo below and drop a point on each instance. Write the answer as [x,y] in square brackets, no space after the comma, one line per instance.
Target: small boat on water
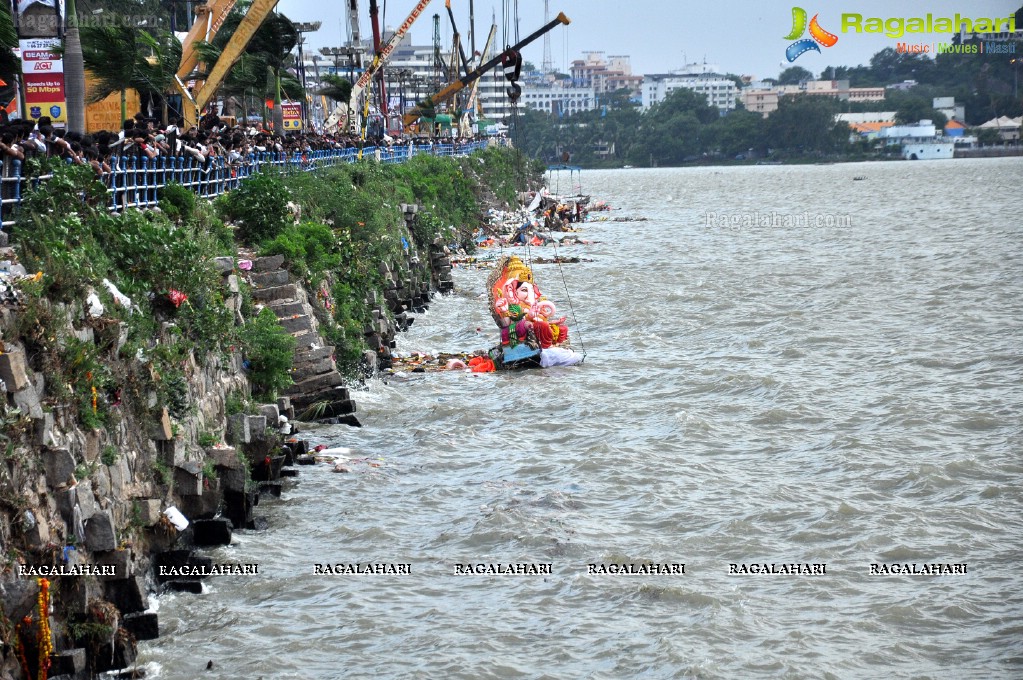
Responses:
[532,335]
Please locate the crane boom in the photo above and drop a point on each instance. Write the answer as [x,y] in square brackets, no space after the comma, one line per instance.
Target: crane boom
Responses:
[353,21]
[250,23]
[474,100]
[453,88]
[457,38]
[209,18]
[378,60]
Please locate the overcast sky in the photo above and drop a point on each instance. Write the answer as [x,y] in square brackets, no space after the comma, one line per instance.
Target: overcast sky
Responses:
[740,36]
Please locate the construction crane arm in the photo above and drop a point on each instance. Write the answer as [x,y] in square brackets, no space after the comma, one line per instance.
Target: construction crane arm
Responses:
[250,23]
[378,61]
[473,100]
[455,87]
[457,37]
[353,20]
[209,19]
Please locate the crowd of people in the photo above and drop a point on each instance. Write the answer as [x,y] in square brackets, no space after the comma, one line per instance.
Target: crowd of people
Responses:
[211,141]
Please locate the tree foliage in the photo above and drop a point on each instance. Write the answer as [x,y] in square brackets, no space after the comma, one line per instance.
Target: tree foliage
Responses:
[337,88]
[794,75]
[122,57]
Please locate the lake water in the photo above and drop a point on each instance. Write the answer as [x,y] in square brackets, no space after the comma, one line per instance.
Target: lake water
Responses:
[807,364]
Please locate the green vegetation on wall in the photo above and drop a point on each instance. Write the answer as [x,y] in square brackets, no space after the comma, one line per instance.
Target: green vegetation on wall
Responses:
[92,260]
[352,221]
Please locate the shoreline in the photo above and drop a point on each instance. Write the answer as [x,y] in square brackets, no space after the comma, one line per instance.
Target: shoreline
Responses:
[144,426]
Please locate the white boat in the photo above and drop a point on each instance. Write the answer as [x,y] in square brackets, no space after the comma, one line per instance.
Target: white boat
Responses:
[927,150]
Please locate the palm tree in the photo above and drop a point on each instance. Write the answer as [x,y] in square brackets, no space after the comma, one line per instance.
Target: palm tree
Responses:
[337,88]
[110,53]
[8,41]
[274,40]
[155,73]
[249,77]
[122,57]
[74,71]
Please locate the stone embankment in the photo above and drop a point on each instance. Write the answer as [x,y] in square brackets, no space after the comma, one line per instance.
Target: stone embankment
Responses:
[97,519]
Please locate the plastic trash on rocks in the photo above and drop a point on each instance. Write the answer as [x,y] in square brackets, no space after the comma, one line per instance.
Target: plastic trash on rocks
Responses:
[176,518]
[119,297]
[94,304]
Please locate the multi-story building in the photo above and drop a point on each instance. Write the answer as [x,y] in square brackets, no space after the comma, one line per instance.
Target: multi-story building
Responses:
[559,98]
[760,100]
[704,79]
[763,99]
[949,107]
[605,76]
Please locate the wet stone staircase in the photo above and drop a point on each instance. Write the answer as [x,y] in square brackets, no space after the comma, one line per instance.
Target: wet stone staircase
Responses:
[318,393]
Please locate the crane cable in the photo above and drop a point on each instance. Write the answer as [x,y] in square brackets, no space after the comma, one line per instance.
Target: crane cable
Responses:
[568,295]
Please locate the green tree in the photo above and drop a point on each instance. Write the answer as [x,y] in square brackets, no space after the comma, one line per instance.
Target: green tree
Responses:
[672,130]
[988,136]
[794,75]
[337,88]
[9,64]
[274,40]
[913,110]
[155,73]
[805,124]
[890,66]
[122,57]
[738,132]
[111,54]
[260,70]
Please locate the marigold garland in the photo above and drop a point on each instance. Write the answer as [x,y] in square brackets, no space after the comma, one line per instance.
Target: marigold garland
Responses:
[44,636]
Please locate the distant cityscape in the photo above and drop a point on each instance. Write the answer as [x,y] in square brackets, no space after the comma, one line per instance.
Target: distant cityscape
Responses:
[416,71]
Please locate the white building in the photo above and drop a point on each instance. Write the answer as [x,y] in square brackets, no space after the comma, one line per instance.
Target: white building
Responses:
[866,117]
[720,91]
[948,106]
[556,99]
[901,134]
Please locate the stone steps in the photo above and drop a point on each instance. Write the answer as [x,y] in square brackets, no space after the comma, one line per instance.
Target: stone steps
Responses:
[314,371]
[315,384]
[285,292]
[277,277]
[305,370]
[283,308]
[298,323]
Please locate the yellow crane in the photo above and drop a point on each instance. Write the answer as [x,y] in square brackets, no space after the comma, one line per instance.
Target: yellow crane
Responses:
[202,94]
[474,100]
[208,20]
[453,88]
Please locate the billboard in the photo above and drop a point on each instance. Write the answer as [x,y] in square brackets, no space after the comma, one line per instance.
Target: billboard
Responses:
[292,116]
[43,79]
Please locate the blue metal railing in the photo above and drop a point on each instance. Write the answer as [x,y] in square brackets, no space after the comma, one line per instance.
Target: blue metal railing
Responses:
[136,182]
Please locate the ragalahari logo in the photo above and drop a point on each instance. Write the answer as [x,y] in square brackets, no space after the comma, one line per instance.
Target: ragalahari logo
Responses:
[818,35]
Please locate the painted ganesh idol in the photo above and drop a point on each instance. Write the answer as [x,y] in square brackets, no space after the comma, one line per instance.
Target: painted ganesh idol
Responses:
[521,311]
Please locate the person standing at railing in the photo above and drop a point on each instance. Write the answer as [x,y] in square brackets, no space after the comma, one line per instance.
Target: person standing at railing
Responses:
[160,143]
[10,149]
[61,148]
[99,166]
[143,145]
[13,157]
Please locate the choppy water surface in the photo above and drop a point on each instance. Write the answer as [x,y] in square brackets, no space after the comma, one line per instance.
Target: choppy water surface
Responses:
[755,391]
